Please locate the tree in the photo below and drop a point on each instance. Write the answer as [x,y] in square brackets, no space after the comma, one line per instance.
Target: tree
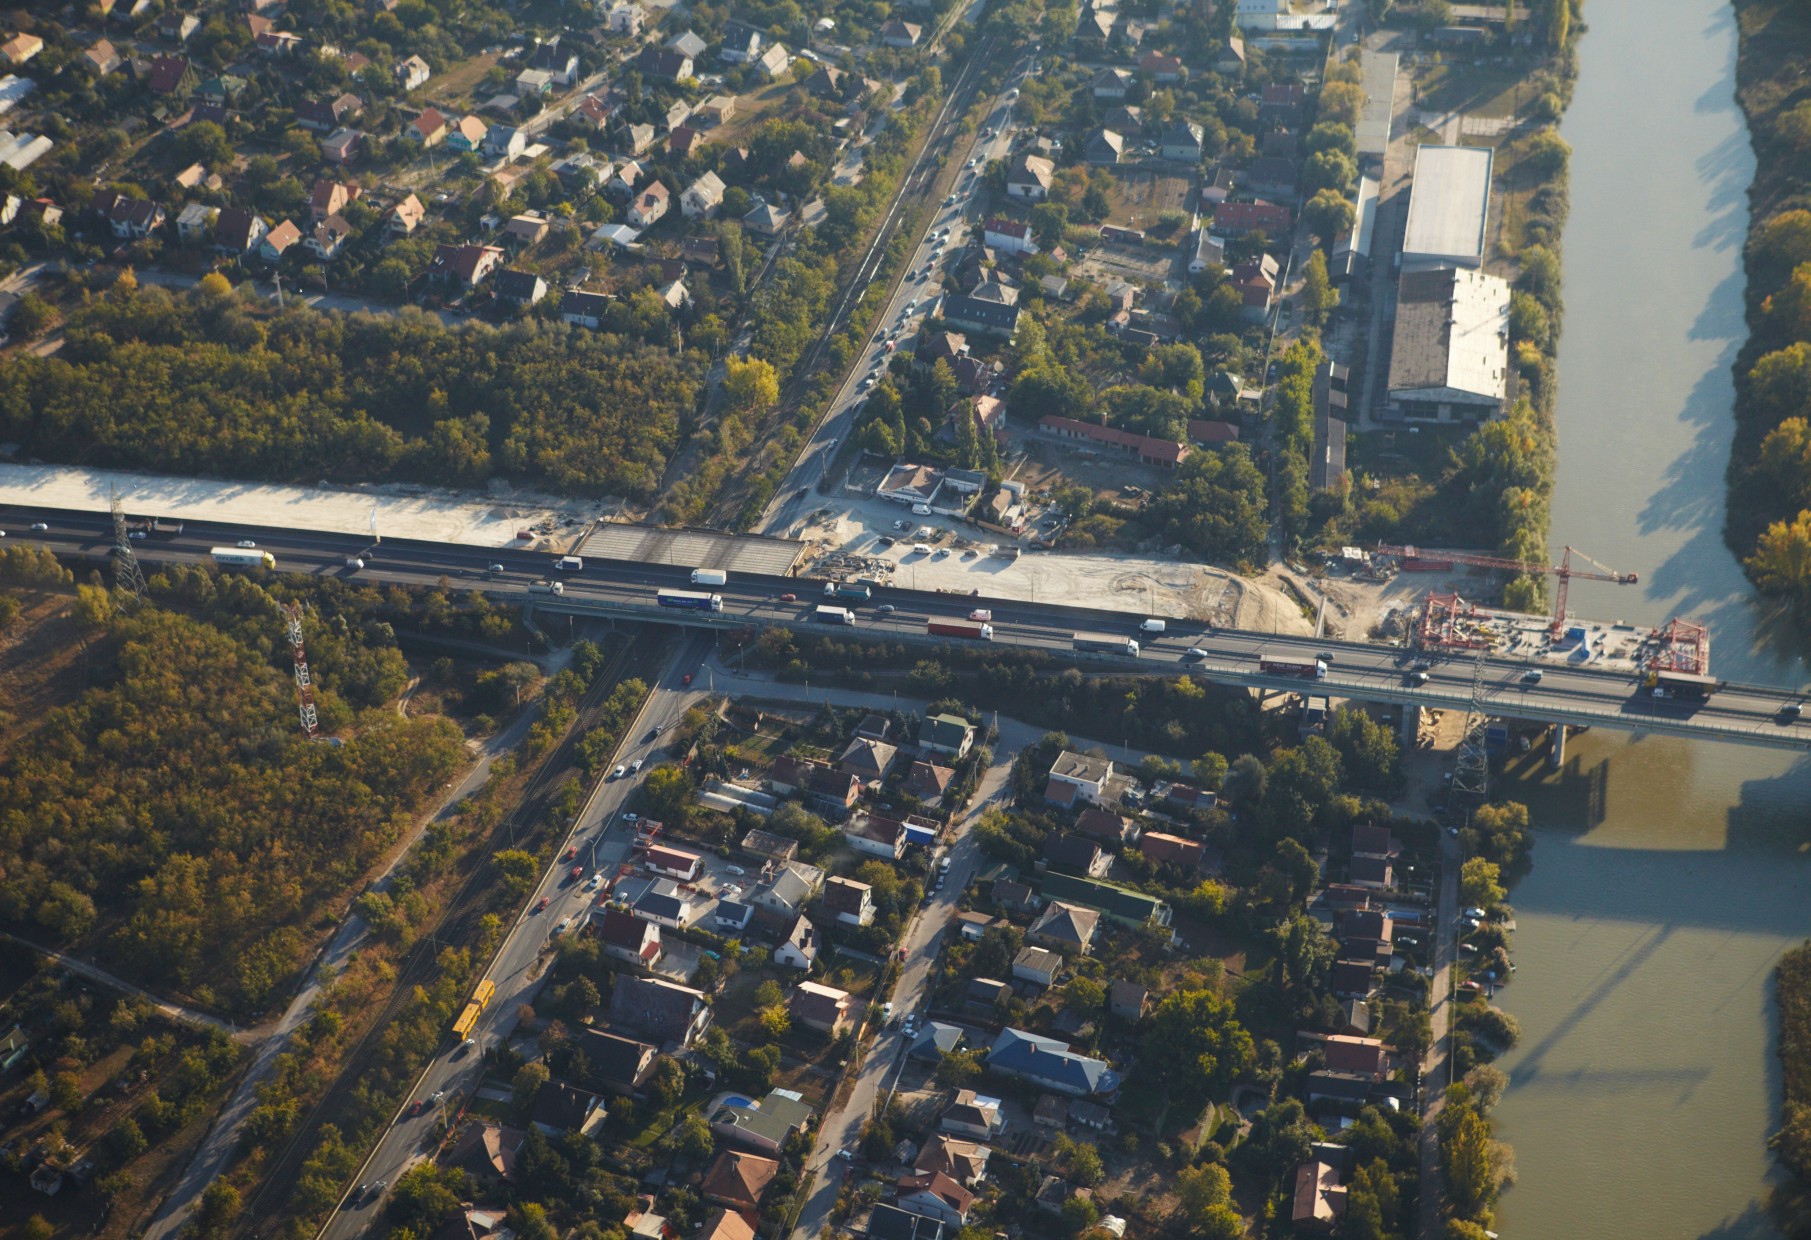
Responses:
[1783,242]
[1372,1199]
[1548,153]
[1324,170]
[1463,1229]
[1478,885]
[959,1069]
[527,1083]
[1220,1222]
[1778,386]
[749,386]
[1194,1042]
[1085,1166]
[1246,780]
[1079,1214]
[219,1207]
[1368,752]
[1329,214]
[1781,562]
[1280,1137]
[691,1137]
[520,871]
[32,316]
[1466,1160]
[1084,994]
[93,607]
[667,791]
[1200,1189]
[1343,103]
[1319,296]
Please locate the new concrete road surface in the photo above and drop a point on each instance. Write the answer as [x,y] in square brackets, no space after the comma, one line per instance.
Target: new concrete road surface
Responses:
[521,963]
[1572,692]
[951,225]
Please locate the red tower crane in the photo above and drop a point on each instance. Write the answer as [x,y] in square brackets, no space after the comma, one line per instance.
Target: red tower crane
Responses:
[1563,570]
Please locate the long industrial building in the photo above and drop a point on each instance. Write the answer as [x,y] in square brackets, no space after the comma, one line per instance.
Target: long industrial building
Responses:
[1449,208]
[1449,354]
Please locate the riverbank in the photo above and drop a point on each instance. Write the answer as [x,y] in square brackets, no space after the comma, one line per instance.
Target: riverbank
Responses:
[1769,523]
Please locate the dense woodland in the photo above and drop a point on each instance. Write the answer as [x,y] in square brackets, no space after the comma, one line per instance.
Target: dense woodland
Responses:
[175,820]
[207,383]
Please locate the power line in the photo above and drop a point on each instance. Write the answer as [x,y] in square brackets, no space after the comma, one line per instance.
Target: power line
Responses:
[127,575]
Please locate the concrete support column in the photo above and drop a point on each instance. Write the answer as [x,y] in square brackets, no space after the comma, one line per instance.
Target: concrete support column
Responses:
[1411,728]
[1557,758]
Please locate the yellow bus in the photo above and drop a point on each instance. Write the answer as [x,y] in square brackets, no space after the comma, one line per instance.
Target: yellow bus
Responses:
[468,1019]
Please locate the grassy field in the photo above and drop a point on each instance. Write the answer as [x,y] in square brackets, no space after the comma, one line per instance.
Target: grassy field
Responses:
[1475,89]
[751,110]
[1139,197]
[458,84]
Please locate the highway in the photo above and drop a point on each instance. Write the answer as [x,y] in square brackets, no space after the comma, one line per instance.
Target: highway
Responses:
[1571,694]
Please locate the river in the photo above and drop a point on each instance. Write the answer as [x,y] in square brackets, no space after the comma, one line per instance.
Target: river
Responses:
[1667,877]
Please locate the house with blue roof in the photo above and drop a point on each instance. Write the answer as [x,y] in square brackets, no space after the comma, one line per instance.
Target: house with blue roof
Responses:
[1050,1064]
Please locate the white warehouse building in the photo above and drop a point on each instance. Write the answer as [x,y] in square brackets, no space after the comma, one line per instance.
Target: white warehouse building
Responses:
[1449,208]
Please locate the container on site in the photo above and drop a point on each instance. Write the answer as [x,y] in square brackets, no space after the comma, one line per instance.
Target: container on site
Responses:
[1107,642]
[695,601]
[547,587]
[709,577]
[949,626]
[235,557]
[833,615]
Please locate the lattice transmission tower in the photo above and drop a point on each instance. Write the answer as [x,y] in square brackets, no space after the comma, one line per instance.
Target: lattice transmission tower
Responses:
[1471,778]
[127,575]
[292,616]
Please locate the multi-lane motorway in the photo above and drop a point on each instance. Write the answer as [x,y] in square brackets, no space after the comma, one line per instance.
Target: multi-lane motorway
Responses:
[1569,693]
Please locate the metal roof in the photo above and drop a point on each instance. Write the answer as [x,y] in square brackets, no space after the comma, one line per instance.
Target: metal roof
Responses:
[1448,206]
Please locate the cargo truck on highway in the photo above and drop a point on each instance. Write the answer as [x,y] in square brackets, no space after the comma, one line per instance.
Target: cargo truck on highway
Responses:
[1306,667]
[161,526]
[690,599]
[833,615]
[709,577]
[570,564]
[1106,642]
[235,557]
[948,626]
[547,587]
[854,591]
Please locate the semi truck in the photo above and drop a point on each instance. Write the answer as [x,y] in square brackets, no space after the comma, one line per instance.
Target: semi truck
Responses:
[691,600]
[238,557]
[709,577]
[1305,666]
[547,587]
[833,615]
[1684,686]
[855,591]
[947,626]
[1107,642]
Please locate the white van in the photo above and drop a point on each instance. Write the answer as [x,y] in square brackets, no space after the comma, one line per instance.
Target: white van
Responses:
[1151,626]
[570,564]
[921,510]
[921,548]
[709,577]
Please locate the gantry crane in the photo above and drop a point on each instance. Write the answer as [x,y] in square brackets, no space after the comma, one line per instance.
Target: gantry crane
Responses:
[1563,570]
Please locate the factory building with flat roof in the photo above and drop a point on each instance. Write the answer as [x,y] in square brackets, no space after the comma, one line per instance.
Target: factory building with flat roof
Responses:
[1449,353]
[1449,208]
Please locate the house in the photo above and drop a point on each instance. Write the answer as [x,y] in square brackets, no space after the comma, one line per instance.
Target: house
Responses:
[774,61]
[277,43]
[832,792]
[770,847]
[330,198]
[1373,841]
[621,1065]
[1271,177]
[801,948]
[717,109]
[927,781]
[876,836]
[1030,178]
[1038,965]
[702,197]
[1066,927]
[896,33]
[765,220]
[1163,67]
[1103,824]
[1009,236]
[867,760]
[1086,774]
[626,20]
[658,1009]
[627,937]
[1111,84]
[1352,979]
[413,73]
[687,43]
[133,219]
[732,916]
[665,63]
[1182,141]
[1050,1064]
[1163,849]
[1281,103]
[1127,1000]
[619,235]
[101,58]
[191,224]
[934,1196]
[329,237]
[784,893]
[649,206]
[278,241]
[965,1162]
[852,902]
[1372,872]
[466,134]
[529,228]
[985,994]
[593,111]
[560,1106]
[738,1180]
[342,146]
[1122,904]
[934,1041]
[406,216]
[973,1115]
[985,317]
[891,1223]
[1255,280]
[1074,854]
[1103,147]
[823,1008]
[560,63]
[832,83]
[946,734]
[724,1224]
[674,863]
[762,1126]
[487,1151]
[505,142]
[327,115]
[1320,1201]
[238,232]
[428,129]
[464,266]
[1356,1055]
[1241,219]
[170,75]
[1013,896]
[740,46]
[1164,453]
[22,47]
[1230,59]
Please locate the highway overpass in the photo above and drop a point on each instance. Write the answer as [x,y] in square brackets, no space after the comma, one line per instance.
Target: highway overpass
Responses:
[1573,695]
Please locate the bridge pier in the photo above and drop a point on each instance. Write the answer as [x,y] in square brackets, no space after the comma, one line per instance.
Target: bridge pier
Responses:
[1557,757]
[1410,735]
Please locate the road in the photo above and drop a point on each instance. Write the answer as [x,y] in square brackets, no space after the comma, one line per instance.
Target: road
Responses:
[216,1150]
[166,1009]
[1438,1069]
[519,967]
[1576,694]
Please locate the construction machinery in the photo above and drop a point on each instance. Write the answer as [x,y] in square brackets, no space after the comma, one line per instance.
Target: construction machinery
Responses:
[1563,570]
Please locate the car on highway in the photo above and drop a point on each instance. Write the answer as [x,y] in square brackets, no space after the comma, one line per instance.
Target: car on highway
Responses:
[1532,676]
[885,609]
[635,766]
[1325,656]
[868,382]
[981,613]
[950,201]
[686,679]
[1792,710]
[137,535]
[562,927]
[542,903]
[575,873]
[246,542]
[630,815]
[1194,652]
[619,772]
[39,526]
[1417,678]
[789,598]
[493,568]
[972,162]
